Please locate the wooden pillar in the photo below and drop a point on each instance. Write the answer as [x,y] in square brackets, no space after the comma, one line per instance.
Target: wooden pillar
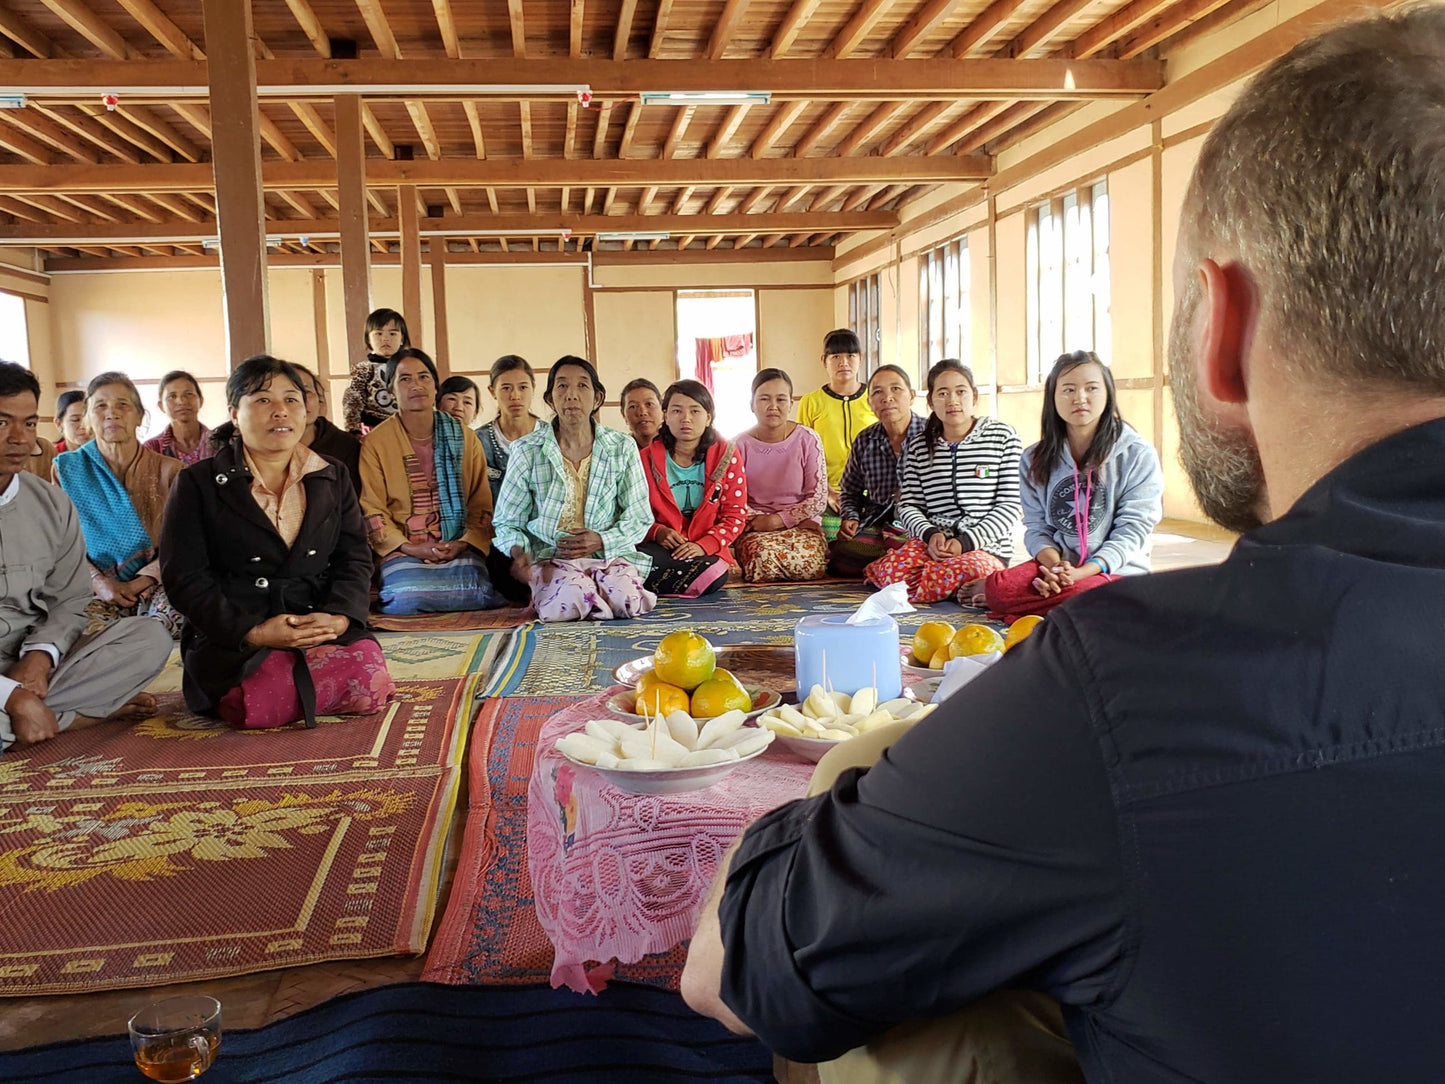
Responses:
[355,239]
[318,317]
[236,162]
[436,256]
[410,259]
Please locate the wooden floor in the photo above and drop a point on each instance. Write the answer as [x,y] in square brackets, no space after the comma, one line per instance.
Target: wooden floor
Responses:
[252,1000]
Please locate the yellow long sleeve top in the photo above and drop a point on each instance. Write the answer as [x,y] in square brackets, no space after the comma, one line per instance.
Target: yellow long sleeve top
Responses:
[838,420]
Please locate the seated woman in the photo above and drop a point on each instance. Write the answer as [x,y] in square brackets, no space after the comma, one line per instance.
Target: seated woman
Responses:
[185,438]
[573,508]
[41,458]
[641,410]
[119,488]
[460,397]
[869,487]
[321,436]
[70,420]
[266,556]
[512,385]
[426,501]
[958,494]
[1092,492]
[367,401]
[699,497]
[787,489]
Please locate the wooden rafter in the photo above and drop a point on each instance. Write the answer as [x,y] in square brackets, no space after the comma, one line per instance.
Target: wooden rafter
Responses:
[17,209]
[920,26]
[726,130]
[1107,31]
[922,121]
[725,27]
[870,126]
[378,27]
[178,207]
[24,35]
[158,24]
[857,28]
[985,25]
[861,197]
[781,120]
[1037,35]
[629,130]
[421,120]
[820,129]
[624,30]
[474,122]
[32,150]
[92,206]
[683,195]
[525,108]
[447,24]
[49,132]
[148,121]
[134,205]
[92,27]
[719,197]
[678,130]
[798,14]
[306,113]
[377,132]
[599,134]
[755,200]
[575,22]
[87,129]
[519,29]
[1168,23]
[659,29]
[569,140]
[310,26]
[976,116]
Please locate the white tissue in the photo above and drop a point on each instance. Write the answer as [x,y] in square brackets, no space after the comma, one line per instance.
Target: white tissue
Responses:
[960,671]
[892,599]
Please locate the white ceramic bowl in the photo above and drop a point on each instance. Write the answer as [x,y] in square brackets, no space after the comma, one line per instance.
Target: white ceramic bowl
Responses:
[667,780]
[625,702]
[808,748]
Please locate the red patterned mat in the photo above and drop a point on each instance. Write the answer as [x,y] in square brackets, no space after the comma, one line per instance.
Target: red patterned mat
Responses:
[179,849]
[489,932]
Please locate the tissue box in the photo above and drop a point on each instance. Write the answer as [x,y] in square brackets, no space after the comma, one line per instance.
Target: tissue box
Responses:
[854,653]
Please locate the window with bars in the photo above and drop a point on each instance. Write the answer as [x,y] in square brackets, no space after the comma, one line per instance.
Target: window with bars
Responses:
[1066,263]
[864,304]
[943,305]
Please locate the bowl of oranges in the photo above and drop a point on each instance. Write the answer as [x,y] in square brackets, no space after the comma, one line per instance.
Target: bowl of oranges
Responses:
[937,642]
[683,675]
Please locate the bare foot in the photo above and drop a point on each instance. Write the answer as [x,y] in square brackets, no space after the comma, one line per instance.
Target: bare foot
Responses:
[971,593]
[139,707]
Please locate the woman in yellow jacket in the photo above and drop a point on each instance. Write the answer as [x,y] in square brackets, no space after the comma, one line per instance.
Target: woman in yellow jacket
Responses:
[838,412]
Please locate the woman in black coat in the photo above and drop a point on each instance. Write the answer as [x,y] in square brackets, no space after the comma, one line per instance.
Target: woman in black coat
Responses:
[274,597]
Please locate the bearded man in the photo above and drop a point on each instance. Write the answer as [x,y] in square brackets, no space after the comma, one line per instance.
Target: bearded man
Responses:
[1202,811]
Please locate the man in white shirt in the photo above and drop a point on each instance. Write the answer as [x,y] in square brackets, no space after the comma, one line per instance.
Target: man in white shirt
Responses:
[52,677]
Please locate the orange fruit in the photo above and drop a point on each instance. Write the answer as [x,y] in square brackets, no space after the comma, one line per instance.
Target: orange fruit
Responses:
[931,636]
[659,698]
[974,640]
[684,659]
[717,695]
[940,657]
[648,679]
[1021,629]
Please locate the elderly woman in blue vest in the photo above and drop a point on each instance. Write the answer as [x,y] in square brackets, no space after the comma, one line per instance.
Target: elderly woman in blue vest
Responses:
[574,507]
[426,501]
[119,488]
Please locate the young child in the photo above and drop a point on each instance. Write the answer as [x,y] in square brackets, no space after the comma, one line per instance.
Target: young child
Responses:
[838,412]
[367,401]
[1092,491]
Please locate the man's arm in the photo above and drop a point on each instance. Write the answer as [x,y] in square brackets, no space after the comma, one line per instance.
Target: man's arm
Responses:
[702,974]
[980,852]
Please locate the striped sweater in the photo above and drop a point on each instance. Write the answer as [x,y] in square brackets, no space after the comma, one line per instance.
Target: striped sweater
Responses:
[969,490]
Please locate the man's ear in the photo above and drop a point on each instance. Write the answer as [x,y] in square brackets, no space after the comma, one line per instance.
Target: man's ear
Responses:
[1230,306]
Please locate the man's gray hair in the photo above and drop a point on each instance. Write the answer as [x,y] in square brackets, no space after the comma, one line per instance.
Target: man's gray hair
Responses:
[1327,177]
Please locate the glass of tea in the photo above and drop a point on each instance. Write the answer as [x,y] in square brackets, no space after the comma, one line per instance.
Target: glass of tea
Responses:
[176,1039]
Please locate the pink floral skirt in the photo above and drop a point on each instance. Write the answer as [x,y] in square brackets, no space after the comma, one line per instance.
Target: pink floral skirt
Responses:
[586,589]
[350,679]
[930,580]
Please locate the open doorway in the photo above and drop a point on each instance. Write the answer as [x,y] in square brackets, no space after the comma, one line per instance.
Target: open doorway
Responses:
[717,343]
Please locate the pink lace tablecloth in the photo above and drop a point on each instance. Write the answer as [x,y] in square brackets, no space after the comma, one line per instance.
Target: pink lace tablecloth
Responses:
[620,876]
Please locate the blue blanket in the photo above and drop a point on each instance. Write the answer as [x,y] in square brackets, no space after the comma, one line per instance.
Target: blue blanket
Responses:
[115,538]
[447,439]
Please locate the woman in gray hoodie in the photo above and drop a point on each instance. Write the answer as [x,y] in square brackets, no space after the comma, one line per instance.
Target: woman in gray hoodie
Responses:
[1092,491]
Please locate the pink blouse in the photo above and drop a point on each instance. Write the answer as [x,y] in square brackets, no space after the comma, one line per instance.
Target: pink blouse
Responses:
[788,479]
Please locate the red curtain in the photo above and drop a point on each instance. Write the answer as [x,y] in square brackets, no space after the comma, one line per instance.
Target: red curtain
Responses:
[716,349]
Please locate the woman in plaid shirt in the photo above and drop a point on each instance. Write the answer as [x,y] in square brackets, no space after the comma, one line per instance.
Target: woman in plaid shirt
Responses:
[573,507]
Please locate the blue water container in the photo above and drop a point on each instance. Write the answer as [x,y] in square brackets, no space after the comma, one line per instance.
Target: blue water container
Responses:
[853,653]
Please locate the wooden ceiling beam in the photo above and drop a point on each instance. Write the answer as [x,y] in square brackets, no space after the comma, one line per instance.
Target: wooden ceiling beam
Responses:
[860,198]
[150,122]
[659,29]
[91,27]
[575,21]
[726,130]
[599,134]
[379,28]
[158,25]
[984,27]
[311,27]
[725,27]
[1122,22]
[719,197]
[93,206]
[179,208]
[870,126]
[919,27]
[798,14]
[1167,23]
[306,113]
[16,209]
[825,124]
[87,129]
[1037,35]
[988,128]
[154,230]
[624,30]
[1048,78]
[24,35]
[474,122]
[313,173]
[924,119]
[629,131]
[525,112]
[377,132]
[678,130]
[56,207]
[569,139]
[32,150]
[756,199]
[971,120]
[857,28]
[447,24]
[48,131]
[421,121]
[683,195]
[302,206]
[782,118]
[519,28]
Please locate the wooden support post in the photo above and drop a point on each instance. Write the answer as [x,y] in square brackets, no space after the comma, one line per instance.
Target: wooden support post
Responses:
[318,317]
[437,257]
[236,163]
[355,244]
[410,259]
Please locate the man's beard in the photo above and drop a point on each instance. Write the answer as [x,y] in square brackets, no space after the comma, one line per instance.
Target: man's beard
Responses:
[1222,463]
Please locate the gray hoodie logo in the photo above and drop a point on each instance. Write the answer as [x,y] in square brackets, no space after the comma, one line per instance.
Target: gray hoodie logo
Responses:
[1061,504]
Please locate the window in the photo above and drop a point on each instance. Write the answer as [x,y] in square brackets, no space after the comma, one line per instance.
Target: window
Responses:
[717,344]
[943,305]
[864,300]
[1066,263]
[14,336]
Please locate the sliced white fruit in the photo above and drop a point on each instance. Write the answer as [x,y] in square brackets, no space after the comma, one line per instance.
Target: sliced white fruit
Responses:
[717,728]
[607,760]
[792,716]
[843,701]
[898,707]
[875,720]
[781,726]
[701,758]
[583,747]
[864,701]
[683,729]
[608,730]
[753,740]
[834,734]
[644,764]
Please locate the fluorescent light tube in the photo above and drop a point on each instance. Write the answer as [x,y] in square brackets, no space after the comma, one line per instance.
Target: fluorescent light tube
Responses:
[706,97]
[635,235]
[12,101]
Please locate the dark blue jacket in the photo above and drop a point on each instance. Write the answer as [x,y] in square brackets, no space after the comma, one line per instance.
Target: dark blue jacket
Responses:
[1204,809]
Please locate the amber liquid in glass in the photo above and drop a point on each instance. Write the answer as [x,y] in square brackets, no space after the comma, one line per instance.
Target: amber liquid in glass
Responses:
[172,1059]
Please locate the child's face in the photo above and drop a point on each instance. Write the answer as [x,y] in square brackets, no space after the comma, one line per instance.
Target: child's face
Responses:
[842,369]
[385,341]
[1080,396]
[461,405]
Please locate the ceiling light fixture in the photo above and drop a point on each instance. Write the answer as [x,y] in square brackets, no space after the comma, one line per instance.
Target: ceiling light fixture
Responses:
[706,97]
[12,101]
[635,235]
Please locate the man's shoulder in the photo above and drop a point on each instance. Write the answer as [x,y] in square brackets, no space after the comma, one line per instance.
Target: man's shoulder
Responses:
[50,498]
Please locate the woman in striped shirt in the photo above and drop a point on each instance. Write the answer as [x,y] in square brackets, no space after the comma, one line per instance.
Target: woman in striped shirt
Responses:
[958,494]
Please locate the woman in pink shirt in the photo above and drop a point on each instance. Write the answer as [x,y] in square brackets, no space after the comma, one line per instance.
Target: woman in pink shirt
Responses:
[787,490]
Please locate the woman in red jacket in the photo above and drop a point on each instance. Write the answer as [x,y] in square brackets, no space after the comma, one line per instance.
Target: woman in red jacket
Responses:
[699,497]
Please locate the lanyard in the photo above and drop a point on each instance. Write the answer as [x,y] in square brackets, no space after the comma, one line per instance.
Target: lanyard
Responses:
[1081,511]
